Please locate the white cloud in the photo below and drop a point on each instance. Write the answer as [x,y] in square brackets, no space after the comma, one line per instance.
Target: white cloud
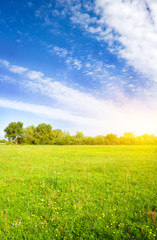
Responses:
[17,69]
[73,62]
[83,19]
[88,65]
[129,27]
[65,96]
[35,75]
[135,29]
[67,55]
[54,113]
[77,64]
[93,115]
[6,78]
[109,66]
[4,63]
[36,81]
[106,119]
[62,52]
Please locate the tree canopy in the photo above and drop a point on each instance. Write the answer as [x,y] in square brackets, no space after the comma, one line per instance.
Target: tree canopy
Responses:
[14,131]
[44,134]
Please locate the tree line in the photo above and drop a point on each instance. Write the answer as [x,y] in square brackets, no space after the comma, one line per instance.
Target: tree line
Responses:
[44,134]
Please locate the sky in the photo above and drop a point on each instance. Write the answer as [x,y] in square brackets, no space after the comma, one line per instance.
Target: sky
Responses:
[79,65]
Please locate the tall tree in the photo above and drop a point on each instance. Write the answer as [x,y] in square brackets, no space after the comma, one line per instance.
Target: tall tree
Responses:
[14,131]
[111,138]
[44,133]
[29,135]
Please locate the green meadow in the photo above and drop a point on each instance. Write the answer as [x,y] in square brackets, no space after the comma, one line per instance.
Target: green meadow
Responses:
[78,192]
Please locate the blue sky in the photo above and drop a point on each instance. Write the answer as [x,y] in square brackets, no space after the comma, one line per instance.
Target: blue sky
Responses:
[79,65]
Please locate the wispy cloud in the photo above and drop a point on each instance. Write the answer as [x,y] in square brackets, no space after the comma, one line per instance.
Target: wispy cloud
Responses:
[134,24]
[111,119]
[109,86]
[129,28]
[70,60]
[116,28]
[73,63]
[34,75]
[85,87]
[89,66]
[54,113]
[83,109]
[4,63]
[17,69]
[64,95]
[62,52]
[89,19]
[83,19]
[6,78]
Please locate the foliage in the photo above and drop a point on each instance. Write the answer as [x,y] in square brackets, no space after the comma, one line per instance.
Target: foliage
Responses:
[44,134]
[111,139]
[3,141]
[78,192]
[128,138]
[14,131]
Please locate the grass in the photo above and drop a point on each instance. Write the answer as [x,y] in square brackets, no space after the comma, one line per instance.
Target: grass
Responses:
[78,192]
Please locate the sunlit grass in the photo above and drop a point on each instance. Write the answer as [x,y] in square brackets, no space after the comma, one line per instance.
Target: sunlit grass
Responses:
[78,192]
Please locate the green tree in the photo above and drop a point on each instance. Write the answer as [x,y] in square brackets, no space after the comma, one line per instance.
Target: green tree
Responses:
[79,138]
[79,135]
[128,138]
[43,134]
[100,140]
[60,137]
[89,140]
[14,131]
[57,133]
[29,135]
[146,139]
[111,139]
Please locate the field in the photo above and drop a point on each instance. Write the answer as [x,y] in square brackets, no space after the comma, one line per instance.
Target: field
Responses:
[78,192]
